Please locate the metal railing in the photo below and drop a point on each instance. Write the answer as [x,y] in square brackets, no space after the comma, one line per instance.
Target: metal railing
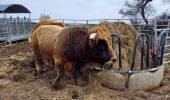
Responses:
[12,29]
[157,58]
[142,36]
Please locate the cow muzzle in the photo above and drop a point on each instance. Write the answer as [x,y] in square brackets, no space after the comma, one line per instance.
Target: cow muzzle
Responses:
[108,65]
[114,59]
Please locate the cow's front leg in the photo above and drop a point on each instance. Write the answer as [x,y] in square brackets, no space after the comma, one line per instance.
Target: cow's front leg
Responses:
[38,64]
[76,72]
[58,68]
[70,68]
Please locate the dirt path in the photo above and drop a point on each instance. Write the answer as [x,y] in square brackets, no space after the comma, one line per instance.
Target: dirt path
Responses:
[17,82]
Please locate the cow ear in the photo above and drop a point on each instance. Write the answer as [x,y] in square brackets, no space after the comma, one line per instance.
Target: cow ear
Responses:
[92,39]
[92,43]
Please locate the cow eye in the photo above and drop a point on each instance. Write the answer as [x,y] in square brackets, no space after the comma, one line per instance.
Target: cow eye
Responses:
[102,45]
[102,48]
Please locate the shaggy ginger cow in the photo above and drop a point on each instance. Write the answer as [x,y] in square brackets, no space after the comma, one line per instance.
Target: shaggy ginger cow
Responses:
[70,47]
[47,22]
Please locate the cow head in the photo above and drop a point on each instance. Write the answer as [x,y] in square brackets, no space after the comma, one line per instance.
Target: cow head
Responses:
[101,43]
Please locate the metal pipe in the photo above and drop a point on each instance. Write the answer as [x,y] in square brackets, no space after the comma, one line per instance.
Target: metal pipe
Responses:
[120,47]
[142,50]
[162,44]
[151,30]
[4,13]
[160,48]
[148,51]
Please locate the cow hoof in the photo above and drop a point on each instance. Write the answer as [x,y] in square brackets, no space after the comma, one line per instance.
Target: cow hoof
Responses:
[56,87]
[38,75]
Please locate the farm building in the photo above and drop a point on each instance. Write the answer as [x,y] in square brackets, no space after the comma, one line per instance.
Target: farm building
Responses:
[13,29]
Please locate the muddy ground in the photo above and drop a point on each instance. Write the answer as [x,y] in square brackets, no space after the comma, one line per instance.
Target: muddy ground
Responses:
[18,82]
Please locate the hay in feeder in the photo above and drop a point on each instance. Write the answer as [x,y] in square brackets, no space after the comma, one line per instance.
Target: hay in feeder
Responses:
[128,35]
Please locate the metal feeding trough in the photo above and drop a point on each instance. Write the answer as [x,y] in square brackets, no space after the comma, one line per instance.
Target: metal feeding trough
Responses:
[145,79]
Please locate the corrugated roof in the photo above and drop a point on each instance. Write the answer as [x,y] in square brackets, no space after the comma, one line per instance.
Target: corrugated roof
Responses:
[13,8]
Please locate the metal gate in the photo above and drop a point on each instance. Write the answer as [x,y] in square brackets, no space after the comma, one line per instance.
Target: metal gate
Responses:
[13,29]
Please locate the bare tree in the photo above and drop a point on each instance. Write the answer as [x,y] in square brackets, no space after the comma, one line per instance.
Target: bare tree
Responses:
[44,16]
[139,8]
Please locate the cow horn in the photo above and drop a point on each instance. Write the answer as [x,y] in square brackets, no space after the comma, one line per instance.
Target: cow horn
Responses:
[29,39]
[93,36]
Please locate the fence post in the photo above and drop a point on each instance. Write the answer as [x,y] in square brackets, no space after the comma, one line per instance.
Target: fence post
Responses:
[167,35]
[87,22]
[24,25]
[155,32]
[118,20]
[18,25]
[9,30]
[29,25]
[6,26]
[63,20]
[74,22]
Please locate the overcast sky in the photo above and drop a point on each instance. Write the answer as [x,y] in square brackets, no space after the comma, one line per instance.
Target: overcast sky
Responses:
[79,9]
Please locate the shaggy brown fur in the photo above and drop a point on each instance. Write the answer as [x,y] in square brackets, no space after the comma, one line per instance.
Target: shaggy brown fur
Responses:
[46,22]
[69,46]
[103,33]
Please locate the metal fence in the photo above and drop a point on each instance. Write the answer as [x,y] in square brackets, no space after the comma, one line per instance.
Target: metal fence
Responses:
[13,29]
